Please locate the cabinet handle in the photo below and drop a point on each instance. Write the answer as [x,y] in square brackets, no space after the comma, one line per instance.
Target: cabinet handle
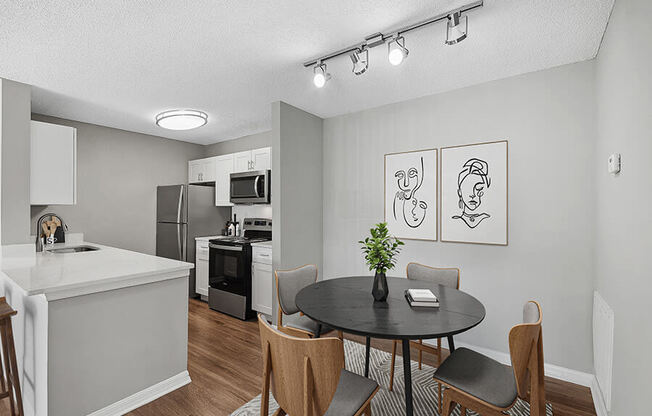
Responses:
[253,165]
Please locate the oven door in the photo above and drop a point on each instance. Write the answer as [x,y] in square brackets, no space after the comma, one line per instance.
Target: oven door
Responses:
[229,268]
[250,187]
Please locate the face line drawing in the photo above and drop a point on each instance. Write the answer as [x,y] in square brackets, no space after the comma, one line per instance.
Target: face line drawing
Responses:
[472,182]
[406,194]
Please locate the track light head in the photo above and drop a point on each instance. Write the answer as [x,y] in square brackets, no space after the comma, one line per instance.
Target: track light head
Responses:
[321,76]
[457,28]
[360,60]
[396,51]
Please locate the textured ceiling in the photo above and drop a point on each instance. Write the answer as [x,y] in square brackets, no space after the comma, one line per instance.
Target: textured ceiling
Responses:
[119,63]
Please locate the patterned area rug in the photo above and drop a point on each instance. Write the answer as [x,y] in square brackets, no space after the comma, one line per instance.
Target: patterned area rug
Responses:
[390,403]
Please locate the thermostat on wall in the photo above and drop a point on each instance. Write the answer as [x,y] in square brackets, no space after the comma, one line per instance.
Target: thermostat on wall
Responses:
[614,163]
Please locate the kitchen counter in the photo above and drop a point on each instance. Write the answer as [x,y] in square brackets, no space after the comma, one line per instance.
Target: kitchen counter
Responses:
[262,244]
[87,320]
[60,275]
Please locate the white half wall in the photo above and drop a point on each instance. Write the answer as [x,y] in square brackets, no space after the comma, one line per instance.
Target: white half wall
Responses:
[548,118]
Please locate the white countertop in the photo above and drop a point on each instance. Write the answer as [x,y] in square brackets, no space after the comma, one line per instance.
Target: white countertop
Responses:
[61,275]
[262,244]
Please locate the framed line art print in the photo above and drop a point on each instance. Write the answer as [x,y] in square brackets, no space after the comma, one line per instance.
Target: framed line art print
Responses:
[411,194]
[474,182]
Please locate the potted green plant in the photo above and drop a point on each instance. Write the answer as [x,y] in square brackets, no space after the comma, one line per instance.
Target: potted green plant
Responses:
[380,252]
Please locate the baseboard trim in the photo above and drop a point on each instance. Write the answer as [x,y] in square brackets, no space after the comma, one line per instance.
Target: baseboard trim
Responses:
[598,400]
[143,397]
[551,370]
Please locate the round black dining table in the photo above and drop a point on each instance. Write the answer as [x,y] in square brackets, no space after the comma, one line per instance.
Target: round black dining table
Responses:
[347,304]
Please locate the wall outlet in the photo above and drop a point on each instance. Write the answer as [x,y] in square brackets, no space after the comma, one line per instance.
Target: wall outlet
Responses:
[614,163]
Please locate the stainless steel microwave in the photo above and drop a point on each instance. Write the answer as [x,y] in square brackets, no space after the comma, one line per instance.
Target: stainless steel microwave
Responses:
[252,187]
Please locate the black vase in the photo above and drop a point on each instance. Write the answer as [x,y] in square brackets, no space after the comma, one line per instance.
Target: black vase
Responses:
[380,289]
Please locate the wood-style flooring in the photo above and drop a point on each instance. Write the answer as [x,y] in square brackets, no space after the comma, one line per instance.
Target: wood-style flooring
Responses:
[225,365]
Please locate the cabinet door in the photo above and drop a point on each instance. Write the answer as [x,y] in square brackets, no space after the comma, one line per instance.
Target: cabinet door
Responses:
[194,171]
[223,170]
[53,164]
[201,277]
[242,161]
[261,299]
[262,158]
[208,170]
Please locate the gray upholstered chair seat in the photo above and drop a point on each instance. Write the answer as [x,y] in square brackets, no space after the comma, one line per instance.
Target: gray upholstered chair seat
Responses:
[479,376]
[297,321]
[351,393]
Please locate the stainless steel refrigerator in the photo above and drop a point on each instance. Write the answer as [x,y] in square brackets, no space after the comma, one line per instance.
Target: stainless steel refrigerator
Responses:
[184,212]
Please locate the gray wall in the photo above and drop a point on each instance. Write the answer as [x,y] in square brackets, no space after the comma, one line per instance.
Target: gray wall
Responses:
[548,118]
[623,245]
[296,188]
[117,175]
[15,109]
[241,144]
[136,336]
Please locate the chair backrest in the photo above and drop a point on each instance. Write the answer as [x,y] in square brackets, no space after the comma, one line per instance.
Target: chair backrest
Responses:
[449,276]
[290,282]
[526,350]
[304,372]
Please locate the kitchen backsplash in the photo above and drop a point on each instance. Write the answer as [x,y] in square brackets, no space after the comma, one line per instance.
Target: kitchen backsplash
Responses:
[252,211]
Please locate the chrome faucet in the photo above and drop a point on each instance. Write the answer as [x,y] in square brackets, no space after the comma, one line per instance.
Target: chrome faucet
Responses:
[39,224]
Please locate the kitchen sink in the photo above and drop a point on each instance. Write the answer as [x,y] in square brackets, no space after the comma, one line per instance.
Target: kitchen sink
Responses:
[75,249]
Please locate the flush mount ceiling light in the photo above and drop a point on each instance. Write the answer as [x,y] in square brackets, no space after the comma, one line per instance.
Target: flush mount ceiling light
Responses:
[456,31]
[360,60]
[181,119]
[396,51]
[456,28]
[320,75]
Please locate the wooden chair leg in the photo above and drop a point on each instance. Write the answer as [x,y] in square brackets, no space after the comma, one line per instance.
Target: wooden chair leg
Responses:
[367,411]
[420,353]
[7,367]
[391,371]
[462,411]
[340,335]
[14,367]
[449,404]
[279,412]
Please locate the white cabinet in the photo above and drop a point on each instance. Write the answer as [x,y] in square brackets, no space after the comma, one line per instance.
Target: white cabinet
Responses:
[224,167]
[201,170]
[262,158]
[53,164]
[258,159]
[262,280]
[201,267]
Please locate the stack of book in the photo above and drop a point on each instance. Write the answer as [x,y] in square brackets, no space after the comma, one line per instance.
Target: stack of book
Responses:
[421,297]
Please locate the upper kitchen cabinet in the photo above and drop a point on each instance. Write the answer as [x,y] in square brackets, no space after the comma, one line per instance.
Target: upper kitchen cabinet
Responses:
[258,159]
[224,167]
[53,164]
[201,170]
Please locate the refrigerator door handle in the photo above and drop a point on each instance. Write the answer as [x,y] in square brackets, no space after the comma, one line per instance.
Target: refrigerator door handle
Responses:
[180,204]
[182,257]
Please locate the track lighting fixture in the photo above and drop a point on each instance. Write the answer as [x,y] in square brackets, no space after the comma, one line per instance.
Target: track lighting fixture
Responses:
[457,25]
[360,60]
[320,75]
[456,28]
[396,50]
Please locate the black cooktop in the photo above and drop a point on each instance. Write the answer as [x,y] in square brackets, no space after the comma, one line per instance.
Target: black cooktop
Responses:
[238,241]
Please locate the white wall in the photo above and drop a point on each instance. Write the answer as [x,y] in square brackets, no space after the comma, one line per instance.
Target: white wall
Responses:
[549,119]
[15,109]
[624,227]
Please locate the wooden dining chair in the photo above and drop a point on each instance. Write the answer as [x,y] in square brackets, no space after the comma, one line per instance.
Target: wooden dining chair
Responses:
[449,277]
[481,384]
[307,377]
[288,284]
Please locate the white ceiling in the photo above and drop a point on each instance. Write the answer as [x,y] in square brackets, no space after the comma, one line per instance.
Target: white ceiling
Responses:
[119,63]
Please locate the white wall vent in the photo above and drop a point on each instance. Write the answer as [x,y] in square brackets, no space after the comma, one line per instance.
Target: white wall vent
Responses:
[603,345]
